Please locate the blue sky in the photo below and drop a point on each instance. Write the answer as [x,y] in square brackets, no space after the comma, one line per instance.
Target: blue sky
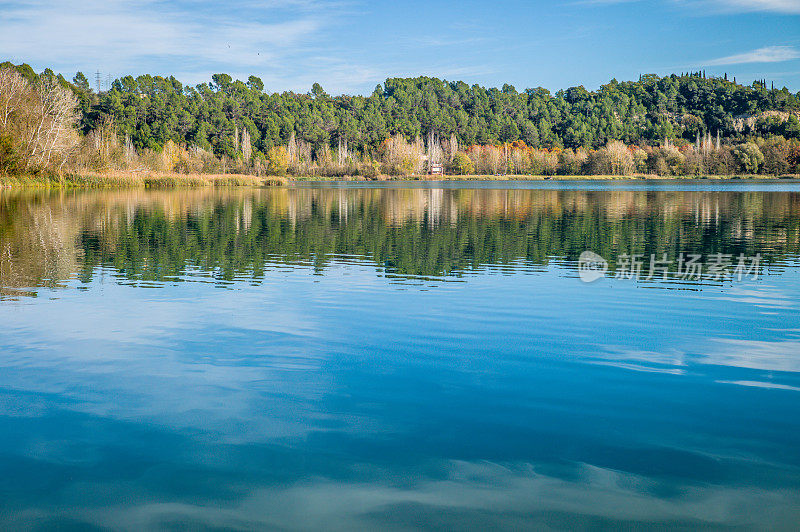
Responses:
[351,45]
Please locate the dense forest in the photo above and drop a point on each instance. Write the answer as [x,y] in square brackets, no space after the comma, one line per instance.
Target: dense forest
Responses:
[406,123]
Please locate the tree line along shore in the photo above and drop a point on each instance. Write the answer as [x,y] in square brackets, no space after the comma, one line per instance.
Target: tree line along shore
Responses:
[155,131]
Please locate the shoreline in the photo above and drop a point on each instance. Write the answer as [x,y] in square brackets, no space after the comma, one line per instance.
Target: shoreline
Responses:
[172,180]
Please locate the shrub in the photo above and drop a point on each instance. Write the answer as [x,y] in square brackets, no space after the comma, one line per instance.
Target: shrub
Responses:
[9,158]
[776,156]
[793,158]
[639,160]
[749,157]
[572,162]
[278,161]
[462,164]
[543,162]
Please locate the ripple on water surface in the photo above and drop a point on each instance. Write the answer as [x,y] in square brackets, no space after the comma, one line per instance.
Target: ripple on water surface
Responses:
[400,356]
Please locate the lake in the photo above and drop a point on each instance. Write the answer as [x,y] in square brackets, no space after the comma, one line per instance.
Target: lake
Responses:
[401,356]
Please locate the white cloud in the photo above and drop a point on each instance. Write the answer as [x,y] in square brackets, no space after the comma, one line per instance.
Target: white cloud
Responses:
[768,54]
[764,355]
[778,6]
[117,35]
[759,384]
[286,43]
[512,494]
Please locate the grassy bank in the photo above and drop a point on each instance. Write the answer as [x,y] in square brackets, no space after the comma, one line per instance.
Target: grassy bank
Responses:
[518,177]
[140,180]
[172,180]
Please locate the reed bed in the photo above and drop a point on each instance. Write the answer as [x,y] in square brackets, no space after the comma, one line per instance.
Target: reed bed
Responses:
[176,180]
[141,180]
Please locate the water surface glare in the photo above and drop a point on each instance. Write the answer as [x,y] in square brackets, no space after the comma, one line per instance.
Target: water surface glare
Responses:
[398,356]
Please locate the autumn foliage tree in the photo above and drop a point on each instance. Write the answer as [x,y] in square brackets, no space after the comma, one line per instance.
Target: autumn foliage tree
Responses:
[461,164]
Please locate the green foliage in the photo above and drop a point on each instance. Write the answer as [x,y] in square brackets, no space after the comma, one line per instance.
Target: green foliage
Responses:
[676,111]
[9,158]
[776,156]
[162,235]
[154,109]
[255,84]
[278,161]
[794,158]
[749,156]
[462,164]
[80,82]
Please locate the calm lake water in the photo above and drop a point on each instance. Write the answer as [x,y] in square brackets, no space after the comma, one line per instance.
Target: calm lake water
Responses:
[400,356]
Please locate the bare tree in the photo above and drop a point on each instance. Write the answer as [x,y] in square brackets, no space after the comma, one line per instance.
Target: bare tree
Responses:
[40,119]
[130,151]
[343,152]
[619,158]
[14,91]
[494,158]
[291,148]
[247,148]
[434,149]
[451,147]
[403,157]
